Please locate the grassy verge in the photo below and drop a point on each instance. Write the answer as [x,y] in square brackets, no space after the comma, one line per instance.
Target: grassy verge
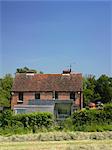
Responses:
[58,145]
[58,136]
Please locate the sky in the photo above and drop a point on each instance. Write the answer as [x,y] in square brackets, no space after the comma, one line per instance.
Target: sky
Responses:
[52,35]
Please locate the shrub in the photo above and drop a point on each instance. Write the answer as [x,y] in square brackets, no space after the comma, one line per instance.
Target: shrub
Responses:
[108,107]
[35,121]
[86,120]
[25,123]
[89,117]
[6,118]
[68,124]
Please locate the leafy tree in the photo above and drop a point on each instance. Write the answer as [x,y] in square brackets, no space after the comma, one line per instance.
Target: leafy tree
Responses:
[27,70]
[5,90]
[104,88]
[90,95]
[97,90]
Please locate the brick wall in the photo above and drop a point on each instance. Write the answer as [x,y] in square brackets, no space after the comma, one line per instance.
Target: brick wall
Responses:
[64,95]
[77,100]
[28,96]
[46,95]
[14,99]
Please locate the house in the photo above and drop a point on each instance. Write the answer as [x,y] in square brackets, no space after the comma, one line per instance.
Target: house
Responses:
[60,94]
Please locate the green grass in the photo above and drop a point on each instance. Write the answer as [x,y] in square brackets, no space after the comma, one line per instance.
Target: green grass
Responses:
[59,145]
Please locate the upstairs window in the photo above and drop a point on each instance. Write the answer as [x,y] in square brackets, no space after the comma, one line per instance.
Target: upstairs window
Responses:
[37,95]
[56,95]
[72,95]
[20,96]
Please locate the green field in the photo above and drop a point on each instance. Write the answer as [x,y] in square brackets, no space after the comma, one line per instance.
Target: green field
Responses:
[58,145]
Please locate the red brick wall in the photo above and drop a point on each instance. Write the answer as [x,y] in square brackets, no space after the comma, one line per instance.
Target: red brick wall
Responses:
[14,99]
[63,95]
[77,100]
[46,95]
[28,96]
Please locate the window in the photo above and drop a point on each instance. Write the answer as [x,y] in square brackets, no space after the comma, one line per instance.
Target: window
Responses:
[56,95]
[37,95]
[21,96]
[72,95]
[62,110]
[20,111]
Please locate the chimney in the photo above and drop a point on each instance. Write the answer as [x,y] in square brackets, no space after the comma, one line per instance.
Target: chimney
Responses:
[67,71]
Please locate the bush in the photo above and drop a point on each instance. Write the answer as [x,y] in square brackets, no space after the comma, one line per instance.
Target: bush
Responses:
[93,120]
[8,131]
[88,117]
[6,118]
[108,107]
[68,124]
[94,128]
[25,123]
[35,120]
[84,120]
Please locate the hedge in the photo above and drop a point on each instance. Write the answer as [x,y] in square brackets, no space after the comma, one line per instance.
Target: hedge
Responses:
[31,121]
[83,120]
[92,117]
[38,119]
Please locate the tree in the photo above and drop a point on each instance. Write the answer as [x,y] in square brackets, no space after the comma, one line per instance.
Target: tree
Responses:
[27,70]
[88,89]
[90,95]
[5,90]
[104,88]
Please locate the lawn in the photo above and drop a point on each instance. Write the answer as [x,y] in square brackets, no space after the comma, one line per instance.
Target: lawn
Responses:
[58,145]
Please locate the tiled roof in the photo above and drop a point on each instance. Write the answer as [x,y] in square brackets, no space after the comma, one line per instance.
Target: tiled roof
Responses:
[47,82]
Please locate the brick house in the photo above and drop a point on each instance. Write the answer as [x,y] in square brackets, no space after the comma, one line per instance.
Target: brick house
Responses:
[42,92]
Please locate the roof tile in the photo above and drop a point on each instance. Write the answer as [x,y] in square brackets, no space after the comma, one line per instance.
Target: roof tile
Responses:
[47,82]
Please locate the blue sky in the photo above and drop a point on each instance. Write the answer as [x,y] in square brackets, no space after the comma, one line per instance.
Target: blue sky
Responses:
[51,35]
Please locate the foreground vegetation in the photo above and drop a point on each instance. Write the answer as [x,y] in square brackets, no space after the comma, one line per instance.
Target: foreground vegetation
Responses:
[58,136]
[58,145]
[86,120]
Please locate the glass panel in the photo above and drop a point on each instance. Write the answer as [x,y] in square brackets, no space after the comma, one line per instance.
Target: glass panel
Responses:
[72,95]
[63,109]
[37,95]
[21,96]
[56,95]
[21,111]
